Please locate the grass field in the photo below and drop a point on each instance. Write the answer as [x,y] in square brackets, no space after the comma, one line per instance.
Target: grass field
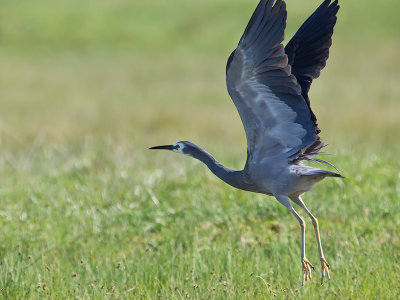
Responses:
[86,211]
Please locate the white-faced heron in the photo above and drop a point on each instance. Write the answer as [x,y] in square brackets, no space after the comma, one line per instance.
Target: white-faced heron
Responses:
[269,86]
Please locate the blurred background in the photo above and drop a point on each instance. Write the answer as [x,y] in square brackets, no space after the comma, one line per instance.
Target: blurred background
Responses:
[87,86]
[154,71]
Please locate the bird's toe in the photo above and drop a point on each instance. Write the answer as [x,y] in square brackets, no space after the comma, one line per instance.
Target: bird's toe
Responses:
[324,270]
[307,267]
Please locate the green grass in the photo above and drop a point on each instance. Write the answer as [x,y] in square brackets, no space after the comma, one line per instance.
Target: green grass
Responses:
[86,211]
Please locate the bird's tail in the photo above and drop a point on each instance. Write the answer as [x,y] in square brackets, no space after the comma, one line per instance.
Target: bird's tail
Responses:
[333,174]
[325,173]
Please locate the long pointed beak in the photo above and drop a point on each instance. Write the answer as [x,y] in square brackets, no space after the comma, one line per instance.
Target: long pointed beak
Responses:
[165,147]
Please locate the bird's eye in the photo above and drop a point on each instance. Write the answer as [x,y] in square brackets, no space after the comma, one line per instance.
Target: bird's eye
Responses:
[176,147]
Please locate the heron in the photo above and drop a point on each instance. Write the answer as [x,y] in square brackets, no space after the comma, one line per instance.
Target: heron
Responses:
[269,85]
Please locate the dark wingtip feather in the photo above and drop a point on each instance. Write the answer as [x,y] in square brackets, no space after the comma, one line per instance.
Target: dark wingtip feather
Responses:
[308,50]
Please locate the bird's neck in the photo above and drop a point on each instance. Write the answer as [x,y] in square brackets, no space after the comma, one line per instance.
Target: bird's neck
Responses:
[232,177]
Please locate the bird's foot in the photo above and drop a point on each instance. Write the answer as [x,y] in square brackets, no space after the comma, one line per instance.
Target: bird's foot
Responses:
[324,269]
[307,266]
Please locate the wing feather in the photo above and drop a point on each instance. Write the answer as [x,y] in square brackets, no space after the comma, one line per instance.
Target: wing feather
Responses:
[267,96]
[308,50]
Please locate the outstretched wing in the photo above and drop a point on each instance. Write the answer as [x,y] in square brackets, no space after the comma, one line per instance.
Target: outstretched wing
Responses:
[308,50]
[275,116]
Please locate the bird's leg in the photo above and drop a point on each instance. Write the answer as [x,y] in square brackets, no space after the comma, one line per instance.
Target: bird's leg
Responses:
[307,266]
[324,264]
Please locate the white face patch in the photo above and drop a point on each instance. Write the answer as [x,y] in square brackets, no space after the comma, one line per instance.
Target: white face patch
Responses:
[179,147]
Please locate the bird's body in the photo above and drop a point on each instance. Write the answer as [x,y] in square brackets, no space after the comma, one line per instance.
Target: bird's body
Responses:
[272,177]
[269,86]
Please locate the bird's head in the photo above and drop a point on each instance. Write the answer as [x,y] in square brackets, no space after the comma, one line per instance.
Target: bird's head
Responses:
[182,147]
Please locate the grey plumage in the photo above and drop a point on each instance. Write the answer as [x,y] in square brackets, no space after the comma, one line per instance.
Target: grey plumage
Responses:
[269,86]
